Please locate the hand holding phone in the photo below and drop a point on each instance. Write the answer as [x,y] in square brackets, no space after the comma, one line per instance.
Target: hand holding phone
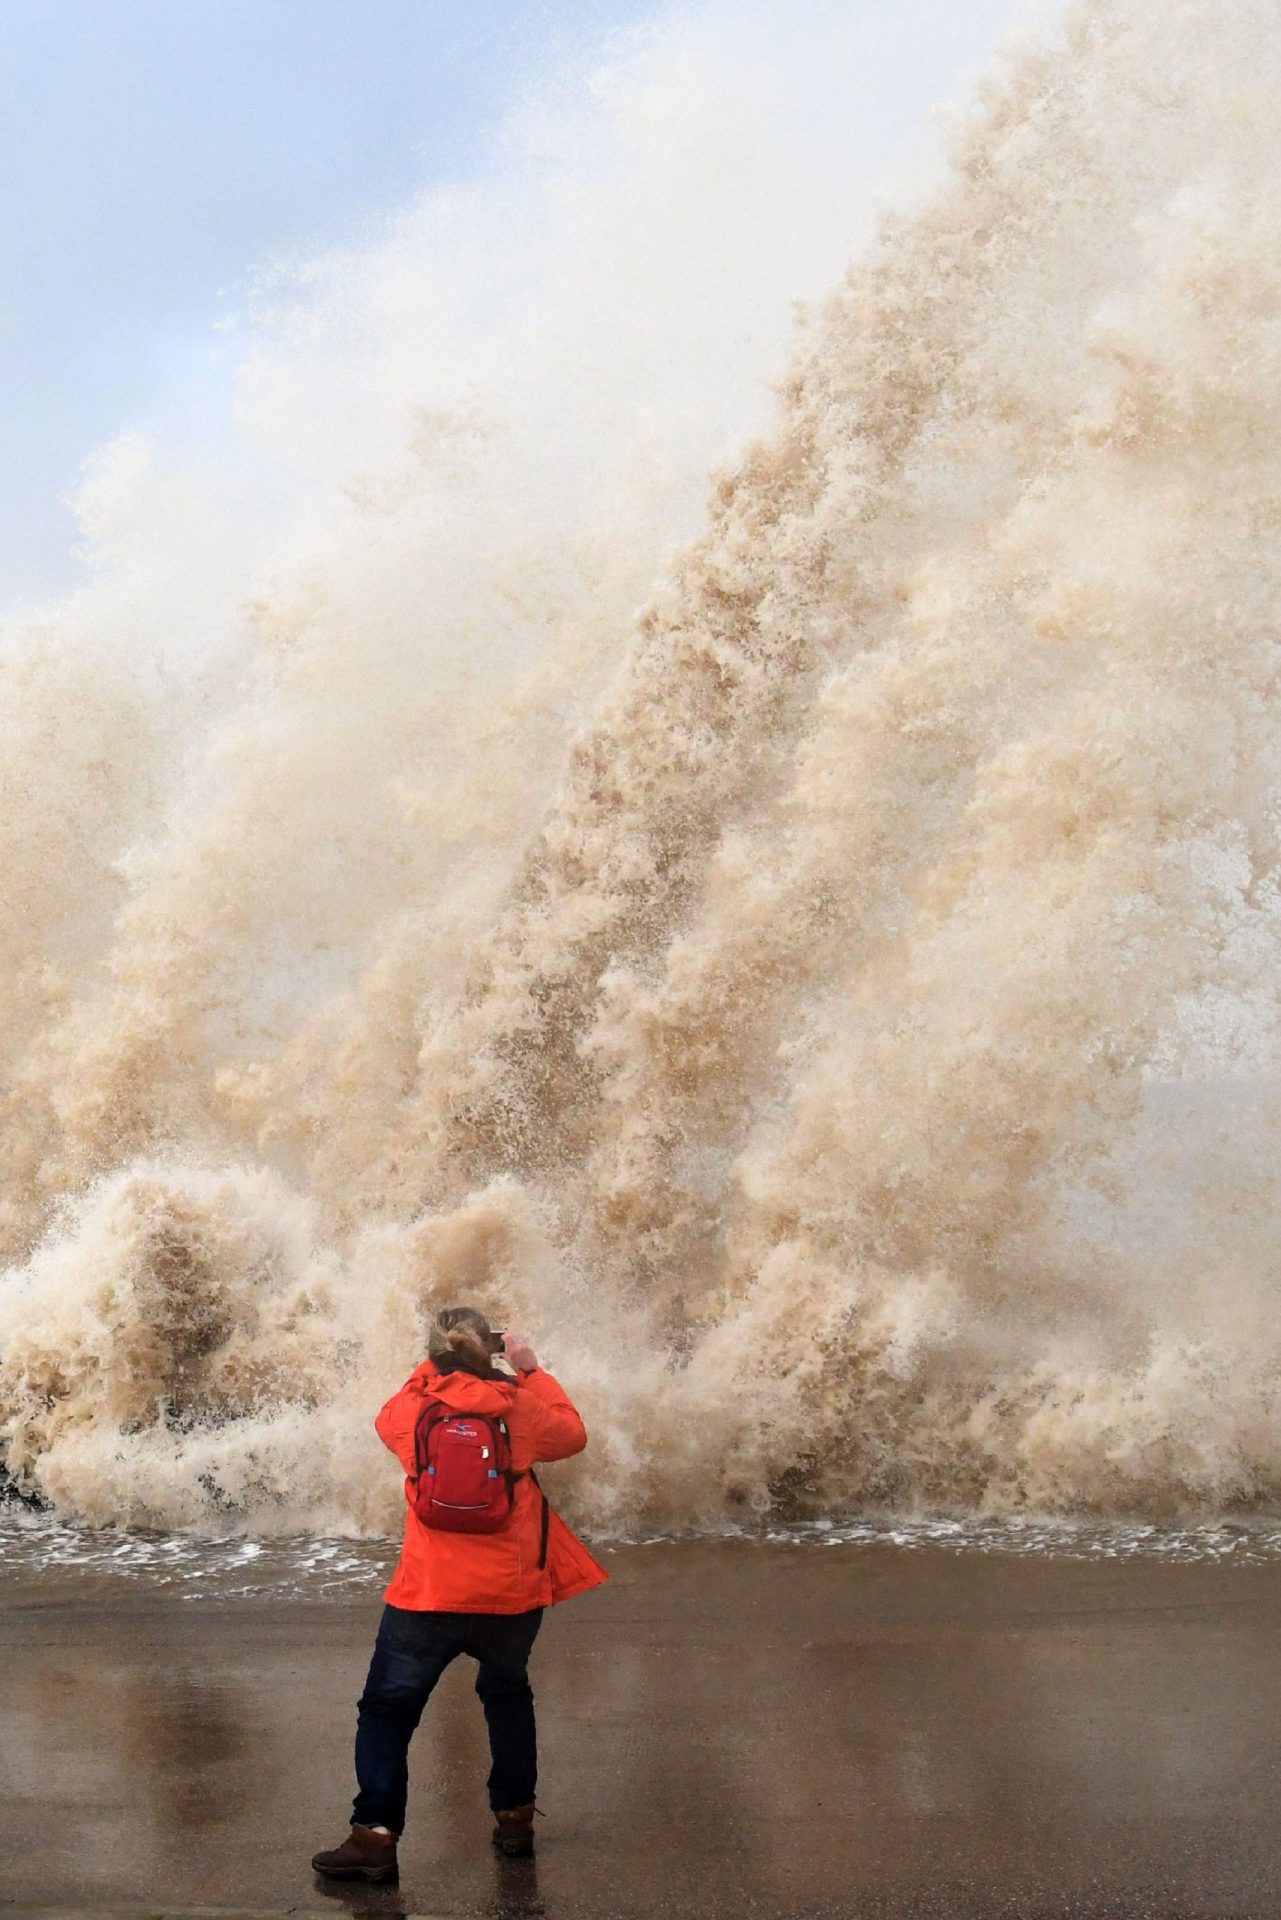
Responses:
[519,1352]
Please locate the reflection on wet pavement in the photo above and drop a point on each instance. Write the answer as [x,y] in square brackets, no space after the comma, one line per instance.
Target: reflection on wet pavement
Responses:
[515,1896]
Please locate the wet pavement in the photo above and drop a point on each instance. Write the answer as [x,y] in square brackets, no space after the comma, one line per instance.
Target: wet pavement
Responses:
[727,1729]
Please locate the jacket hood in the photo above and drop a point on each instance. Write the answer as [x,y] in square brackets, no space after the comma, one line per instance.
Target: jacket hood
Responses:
[467,1392]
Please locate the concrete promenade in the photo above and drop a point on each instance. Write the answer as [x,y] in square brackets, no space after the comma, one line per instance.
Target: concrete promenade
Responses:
[727,1730]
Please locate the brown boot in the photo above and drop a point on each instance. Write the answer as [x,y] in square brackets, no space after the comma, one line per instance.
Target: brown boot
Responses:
[366,1855]
[514,1831]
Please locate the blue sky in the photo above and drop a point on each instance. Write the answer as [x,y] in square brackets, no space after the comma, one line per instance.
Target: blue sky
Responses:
[154,153]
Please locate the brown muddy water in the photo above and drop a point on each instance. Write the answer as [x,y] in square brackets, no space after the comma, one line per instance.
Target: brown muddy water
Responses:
[887,1725]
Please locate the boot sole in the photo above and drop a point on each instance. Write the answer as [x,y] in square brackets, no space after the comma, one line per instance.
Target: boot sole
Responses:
[357,1873]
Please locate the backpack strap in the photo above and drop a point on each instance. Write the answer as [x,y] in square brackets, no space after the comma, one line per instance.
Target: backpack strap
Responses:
[546,1522]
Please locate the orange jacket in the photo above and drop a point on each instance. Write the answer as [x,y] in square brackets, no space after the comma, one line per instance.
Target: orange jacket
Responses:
[490,1572]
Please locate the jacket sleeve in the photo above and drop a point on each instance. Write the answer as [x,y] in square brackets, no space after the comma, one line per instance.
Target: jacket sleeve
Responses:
[395,1424]
[556,1428]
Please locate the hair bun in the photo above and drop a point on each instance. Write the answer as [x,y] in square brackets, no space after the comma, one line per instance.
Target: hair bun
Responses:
[462,1335]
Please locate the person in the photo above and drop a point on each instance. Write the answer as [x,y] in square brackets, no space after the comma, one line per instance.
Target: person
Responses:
[477,1593]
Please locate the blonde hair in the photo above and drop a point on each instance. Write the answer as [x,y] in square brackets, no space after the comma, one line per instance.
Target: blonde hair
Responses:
[462,1336]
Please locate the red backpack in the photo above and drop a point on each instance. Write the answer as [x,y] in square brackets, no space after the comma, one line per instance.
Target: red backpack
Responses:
[463,1479]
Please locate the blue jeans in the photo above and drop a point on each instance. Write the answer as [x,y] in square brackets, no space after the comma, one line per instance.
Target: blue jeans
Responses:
[410,1654]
